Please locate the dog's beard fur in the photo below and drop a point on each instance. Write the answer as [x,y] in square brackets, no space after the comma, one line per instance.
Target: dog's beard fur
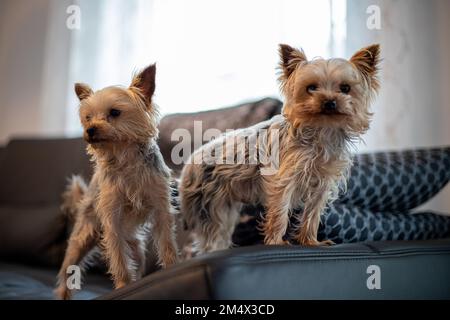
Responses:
[130,189]
[314,149]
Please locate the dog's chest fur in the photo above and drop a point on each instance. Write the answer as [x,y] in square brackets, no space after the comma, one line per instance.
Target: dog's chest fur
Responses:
[133,172]
[312,160]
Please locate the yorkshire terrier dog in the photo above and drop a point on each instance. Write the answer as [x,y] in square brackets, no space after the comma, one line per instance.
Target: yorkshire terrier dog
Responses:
[326,110]
[129,194]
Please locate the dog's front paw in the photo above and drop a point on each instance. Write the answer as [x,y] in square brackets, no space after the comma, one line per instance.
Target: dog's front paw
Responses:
[326,243]
[315,243]
[276,242]
[120,284]
[62,293]
[168,261]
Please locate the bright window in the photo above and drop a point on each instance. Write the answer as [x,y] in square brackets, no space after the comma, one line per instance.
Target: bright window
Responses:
[209,54]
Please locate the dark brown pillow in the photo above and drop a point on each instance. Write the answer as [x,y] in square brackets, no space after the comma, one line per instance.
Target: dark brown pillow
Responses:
[240,116]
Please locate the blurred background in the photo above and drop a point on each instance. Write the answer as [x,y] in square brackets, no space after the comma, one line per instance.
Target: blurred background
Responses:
[216,53]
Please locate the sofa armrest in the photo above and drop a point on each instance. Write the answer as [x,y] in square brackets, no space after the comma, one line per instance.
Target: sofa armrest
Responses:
[407,270]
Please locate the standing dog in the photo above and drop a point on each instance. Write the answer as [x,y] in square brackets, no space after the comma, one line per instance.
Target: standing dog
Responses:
[130,188]
[326,109]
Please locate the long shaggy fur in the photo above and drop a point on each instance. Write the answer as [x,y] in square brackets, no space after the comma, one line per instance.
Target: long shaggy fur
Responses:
[314,154]
[128,197]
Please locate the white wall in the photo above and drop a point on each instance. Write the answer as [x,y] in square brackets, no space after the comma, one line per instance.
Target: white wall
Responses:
[413,108]
[34,50]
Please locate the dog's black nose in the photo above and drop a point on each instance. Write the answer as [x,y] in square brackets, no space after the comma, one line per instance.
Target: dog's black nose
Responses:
[91,131]
[329,105]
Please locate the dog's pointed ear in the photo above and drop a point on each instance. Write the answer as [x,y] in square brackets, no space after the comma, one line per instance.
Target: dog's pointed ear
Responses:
[145,82]
[290,58]
[367,61]
[83,91]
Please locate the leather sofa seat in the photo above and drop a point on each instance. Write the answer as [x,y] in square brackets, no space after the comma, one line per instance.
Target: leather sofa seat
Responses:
[403,270]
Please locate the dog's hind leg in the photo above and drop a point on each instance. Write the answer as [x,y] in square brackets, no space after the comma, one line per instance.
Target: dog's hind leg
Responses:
[81,241]
[217,225]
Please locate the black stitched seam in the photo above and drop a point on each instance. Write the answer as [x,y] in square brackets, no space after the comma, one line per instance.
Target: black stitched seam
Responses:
[343,258]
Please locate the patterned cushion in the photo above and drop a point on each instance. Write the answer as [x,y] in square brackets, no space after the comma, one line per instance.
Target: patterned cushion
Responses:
[382,188]
[353,224]
[397,181]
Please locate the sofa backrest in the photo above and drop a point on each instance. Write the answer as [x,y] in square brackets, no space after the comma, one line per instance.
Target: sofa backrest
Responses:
[236,117]
[2,152]
[35,171]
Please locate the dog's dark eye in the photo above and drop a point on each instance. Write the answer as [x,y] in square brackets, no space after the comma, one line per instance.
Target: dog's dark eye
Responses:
[311,88]
[345,88]
[114,113]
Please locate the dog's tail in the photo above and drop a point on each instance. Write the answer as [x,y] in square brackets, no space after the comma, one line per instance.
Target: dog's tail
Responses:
[75,190]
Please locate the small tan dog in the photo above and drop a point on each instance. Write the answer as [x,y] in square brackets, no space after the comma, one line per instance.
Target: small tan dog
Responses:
[326,109]
[130,188]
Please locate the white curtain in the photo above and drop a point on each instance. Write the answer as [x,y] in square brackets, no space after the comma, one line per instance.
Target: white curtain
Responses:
[209,54]
[213,53]
[413,108]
